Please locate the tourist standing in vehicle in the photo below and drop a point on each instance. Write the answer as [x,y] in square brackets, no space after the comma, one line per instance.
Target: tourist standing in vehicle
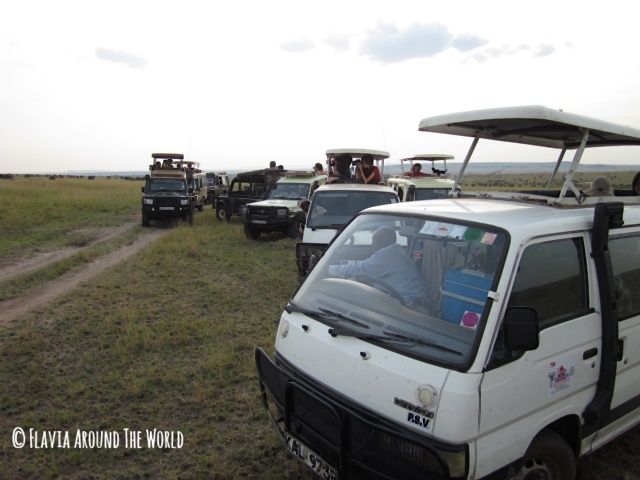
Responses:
[340,169]
[317,169]
[416,171]
[370,173]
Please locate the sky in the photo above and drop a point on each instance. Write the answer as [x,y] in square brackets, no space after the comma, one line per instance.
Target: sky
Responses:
[100,85]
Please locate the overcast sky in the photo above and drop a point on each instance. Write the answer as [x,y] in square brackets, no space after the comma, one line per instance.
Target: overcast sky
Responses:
[234,84]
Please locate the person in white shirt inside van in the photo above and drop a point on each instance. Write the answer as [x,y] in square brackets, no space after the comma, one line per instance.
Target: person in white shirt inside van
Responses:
[388,265]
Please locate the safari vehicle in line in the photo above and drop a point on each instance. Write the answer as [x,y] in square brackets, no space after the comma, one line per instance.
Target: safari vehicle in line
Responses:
[246,187]
[167,193]
[425,186]
[281,210]
[217,184]
[334,205]
[492,335]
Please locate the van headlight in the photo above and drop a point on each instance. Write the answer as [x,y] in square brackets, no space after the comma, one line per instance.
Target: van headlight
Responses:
[184,201]
[148,201]
[282,212]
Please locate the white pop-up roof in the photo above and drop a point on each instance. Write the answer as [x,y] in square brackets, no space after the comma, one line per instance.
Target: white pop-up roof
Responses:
[534,125]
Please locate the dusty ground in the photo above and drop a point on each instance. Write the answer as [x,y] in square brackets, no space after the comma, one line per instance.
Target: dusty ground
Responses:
[11,309]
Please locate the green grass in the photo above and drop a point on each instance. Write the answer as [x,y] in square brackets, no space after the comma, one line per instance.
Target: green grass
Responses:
[23,284]
[537,181]
[163,341]
[39,214]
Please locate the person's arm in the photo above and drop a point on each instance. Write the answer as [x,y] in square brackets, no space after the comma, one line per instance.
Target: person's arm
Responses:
[370,177]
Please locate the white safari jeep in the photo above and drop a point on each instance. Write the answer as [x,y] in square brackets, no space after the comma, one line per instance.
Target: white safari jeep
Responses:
[423,186]
[489,335]
[335,204]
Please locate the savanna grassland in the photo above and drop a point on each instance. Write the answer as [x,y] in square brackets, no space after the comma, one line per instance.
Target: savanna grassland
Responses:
[37,214]
[163,340]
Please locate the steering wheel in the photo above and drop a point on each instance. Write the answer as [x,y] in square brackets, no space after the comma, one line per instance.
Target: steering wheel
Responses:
[379,285]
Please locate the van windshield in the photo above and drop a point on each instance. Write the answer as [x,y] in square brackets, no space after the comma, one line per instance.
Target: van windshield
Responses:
[335,209]
[166,185]
[415,285]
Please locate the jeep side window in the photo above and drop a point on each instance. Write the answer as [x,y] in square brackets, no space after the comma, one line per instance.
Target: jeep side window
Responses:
[625,257]
[551,278]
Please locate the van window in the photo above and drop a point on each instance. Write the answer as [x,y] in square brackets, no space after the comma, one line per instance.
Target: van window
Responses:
[551,278]
[625,257]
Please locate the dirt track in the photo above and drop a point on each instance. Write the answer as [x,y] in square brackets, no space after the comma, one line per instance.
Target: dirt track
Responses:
[11,309]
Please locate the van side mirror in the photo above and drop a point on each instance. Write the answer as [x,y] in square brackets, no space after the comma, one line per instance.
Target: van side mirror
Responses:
[521,330]
[304,205]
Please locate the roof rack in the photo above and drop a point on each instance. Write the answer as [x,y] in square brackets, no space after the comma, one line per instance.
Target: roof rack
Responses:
[167,156]
[428,157]
[535,125]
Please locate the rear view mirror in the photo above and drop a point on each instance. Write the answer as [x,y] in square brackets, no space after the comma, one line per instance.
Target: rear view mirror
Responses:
[521,331]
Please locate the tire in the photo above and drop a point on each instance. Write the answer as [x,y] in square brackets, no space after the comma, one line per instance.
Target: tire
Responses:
[296,227]
[200,207]
[549,457]
[190,217]
[251,233]
[220,213]
[145,219]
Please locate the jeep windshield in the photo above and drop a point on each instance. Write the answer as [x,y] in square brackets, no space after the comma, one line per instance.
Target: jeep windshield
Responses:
[166,185]
[335,209]
[290,191]
[414,285]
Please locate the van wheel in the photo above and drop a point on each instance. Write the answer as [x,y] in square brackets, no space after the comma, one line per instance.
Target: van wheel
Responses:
[548,458]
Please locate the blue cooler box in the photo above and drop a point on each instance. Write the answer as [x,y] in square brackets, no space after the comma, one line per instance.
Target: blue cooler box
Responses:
[463,291]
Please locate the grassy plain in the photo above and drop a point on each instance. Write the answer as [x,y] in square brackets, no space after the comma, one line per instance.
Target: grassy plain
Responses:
[39,214]
[165,340]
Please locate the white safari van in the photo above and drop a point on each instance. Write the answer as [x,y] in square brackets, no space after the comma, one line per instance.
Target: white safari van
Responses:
[424,186]
[479,336]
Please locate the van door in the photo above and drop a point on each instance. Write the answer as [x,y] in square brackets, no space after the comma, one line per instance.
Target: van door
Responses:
[521,393]
[624,250]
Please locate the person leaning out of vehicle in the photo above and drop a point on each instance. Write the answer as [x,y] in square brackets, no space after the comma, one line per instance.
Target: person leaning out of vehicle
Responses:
[340,169]
[416,171]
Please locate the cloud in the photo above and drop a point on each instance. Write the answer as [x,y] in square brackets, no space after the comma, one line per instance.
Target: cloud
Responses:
[466,42]
[387,44]
[118,56]
[544,50]
[339,42]
[298,45]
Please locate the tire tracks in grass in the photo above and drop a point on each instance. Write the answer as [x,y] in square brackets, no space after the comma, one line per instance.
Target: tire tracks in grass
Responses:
[15,307]
[44,259]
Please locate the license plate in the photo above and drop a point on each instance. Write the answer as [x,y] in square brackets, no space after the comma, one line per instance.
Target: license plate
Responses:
[262,222]
[311,459]
[167,208]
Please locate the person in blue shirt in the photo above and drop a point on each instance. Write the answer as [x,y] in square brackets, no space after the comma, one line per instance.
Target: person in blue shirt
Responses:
[389,264]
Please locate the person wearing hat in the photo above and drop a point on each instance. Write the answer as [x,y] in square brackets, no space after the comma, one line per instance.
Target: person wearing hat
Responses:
[600,187]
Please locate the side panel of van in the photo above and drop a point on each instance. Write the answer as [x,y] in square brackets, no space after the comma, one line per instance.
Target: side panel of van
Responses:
[624,249]
[522,393]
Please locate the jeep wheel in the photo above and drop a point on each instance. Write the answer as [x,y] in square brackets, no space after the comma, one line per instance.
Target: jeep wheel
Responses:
[145,219]
[220,213]
[251,233]
[297,226]
[200,207]
[548,458]
[190,217]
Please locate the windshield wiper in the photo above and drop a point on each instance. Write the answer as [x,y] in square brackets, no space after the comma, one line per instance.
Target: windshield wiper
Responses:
[419,341]
[323,313]
[388,337]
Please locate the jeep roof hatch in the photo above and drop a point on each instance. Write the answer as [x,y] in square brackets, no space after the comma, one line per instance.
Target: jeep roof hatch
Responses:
[534,125]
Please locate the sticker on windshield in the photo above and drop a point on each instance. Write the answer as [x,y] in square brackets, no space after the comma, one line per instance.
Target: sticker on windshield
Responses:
[488,238]
[560,373]
[442,230]
[457,232]
[470,319]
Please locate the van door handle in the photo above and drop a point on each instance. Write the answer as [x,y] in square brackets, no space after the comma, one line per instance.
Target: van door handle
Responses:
[592,352]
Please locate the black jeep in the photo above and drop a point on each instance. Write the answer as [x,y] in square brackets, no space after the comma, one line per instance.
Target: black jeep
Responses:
[246,187]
